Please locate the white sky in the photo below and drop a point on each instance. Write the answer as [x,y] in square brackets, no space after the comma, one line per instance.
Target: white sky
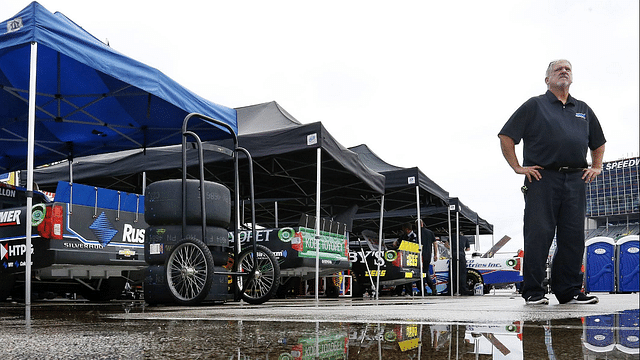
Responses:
[422,83]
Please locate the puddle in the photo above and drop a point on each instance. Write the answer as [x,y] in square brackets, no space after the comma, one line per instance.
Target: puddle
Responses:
[84,332]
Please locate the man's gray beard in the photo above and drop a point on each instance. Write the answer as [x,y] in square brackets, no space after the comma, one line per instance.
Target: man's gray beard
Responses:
[563,84]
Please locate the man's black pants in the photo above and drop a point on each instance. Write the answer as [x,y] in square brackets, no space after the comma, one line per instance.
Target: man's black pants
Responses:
[554,205]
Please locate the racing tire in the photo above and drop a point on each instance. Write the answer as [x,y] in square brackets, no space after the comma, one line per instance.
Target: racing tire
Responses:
[163,203]
[264,283]
[165,238]
[189,270]
[107,289]
[6,285]
[473,278]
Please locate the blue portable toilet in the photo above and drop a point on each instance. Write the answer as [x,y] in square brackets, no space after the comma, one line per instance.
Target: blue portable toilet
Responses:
[599,334]
[600,264]
[628,263]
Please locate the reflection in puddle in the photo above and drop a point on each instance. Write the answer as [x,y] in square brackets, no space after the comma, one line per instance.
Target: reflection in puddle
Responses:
[90,334]
[611,336]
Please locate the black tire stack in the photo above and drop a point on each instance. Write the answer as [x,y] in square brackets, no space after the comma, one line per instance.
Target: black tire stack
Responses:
[167,270]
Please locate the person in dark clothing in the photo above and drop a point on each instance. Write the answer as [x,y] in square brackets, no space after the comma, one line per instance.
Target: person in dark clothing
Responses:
[428,239]
[407,235]
[557,130]
[459,268]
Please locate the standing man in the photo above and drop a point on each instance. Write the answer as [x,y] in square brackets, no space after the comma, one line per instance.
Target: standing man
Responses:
[407,235]
[428,242]
[557,130]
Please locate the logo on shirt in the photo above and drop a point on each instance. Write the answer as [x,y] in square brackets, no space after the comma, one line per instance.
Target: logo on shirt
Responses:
[581,115]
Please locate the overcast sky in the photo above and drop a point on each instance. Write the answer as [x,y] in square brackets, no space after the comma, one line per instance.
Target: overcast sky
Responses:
[422,83]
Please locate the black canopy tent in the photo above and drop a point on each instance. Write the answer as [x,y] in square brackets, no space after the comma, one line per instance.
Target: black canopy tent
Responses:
[411,195]
[285,156]
[298,169]
[400,200]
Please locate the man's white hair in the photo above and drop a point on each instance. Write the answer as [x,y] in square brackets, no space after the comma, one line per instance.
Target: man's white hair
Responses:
[553,63]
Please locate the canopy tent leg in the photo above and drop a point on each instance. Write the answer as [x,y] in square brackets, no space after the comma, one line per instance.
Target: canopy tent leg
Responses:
[379,246]
[275,205]
[450,249]
[457,247]
[318,179]
[33,72]
[477,244]
[419,228]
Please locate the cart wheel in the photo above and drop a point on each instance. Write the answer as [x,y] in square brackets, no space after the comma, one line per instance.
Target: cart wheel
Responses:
[189,272]
[266,279]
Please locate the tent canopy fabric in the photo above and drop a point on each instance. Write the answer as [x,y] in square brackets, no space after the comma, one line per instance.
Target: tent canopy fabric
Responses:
[284,155]
[400,201]
[90,98]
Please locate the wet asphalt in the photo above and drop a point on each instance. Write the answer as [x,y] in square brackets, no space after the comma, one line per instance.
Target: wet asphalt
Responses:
[493,326]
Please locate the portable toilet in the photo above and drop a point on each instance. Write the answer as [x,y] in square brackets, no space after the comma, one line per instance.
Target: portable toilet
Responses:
[628,264]
[600,264]
[599,335]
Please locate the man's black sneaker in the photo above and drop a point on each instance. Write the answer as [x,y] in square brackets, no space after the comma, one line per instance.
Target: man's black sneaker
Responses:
[537,300]
[583,299]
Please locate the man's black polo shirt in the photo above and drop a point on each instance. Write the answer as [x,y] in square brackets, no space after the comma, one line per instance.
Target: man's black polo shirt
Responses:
[555,134]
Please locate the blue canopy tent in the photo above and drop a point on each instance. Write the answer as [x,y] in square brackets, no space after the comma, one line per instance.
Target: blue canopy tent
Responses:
[63,93]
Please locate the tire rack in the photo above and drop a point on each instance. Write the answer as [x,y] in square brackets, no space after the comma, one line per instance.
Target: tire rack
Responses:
[233,153]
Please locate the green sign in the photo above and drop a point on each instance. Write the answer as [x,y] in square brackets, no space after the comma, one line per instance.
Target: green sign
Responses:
[331,246]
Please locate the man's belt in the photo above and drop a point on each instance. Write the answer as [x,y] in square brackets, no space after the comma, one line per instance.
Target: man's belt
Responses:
[565,169]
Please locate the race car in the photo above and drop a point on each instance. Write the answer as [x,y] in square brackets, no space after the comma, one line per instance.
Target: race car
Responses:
[488,272]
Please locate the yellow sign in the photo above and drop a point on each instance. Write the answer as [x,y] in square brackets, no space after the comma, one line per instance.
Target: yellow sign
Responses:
[408,275]
[409,344]
[412,260]
[409,246]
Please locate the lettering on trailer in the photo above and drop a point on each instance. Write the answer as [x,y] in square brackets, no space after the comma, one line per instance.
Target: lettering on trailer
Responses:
[11,217]
[7,250]
[7,192]
[83,246]
[472,263]
[132,235]
[246,235]
[379,257]
[621,164]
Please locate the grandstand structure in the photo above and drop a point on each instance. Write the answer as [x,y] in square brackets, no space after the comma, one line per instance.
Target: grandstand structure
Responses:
[613,200]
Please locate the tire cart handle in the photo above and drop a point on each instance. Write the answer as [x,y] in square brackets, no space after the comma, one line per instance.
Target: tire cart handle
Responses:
[234,153]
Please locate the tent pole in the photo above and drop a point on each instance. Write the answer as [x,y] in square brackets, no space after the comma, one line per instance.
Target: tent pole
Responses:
[450,250]
[379,246]
[419,229]
[477,247]
[144,182]
[276,212]
[30,146]
[458,247]
[318,179]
